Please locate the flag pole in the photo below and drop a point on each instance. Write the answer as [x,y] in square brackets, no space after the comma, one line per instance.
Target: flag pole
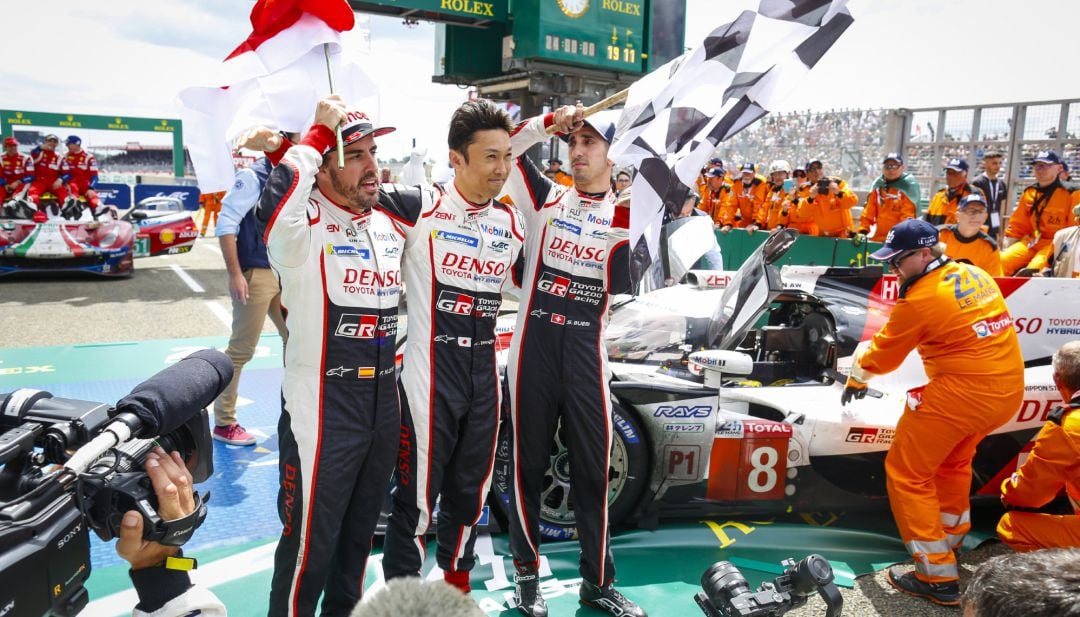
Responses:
[611,101]
[337,129]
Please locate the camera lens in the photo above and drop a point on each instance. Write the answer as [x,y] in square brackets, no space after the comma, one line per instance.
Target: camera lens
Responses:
[810,573]
[723,580]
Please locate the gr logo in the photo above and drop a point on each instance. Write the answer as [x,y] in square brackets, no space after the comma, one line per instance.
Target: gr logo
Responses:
[453,302]
[554,285]
[357,326]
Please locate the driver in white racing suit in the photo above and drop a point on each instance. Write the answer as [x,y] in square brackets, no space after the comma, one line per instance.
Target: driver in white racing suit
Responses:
[577,253]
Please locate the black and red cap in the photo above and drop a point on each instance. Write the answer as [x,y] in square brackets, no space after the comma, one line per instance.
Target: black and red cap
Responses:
[357,125]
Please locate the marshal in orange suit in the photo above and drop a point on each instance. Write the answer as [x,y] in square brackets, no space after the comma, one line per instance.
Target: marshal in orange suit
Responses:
[955,315]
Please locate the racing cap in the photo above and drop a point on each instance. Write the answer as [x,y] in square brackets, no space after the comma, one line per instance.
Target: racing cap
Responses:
[813,162]
[971,198]
[715,172]
[602,122]
[907,235]
[73,139]
[893,156]
[1047,156]
[957,165]
[52,137]
[716,161]
[11,141]
[747,168]
[357,125]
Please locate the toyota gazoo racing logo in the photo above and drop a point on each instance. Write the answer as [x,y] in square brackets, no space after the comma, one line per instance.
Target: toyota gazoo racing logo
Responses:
[590,294]
[494,230]
[352,325]
[453,302]
[994,325]
[450,236]
[553,284]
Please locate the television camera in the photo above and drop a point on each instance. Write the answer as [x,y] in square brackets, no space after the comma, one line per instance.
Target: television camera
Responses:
[69,466]
[727,594]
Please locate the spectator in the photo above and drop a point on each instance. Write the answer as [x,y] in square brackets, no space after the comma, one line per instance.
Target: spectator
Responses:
[801,213]
[703,177]
[995,189]
[893,198]
[716,195]
[942,209]
[623,180]
[17,170]
[966,347]
[744,205]
[384,175]
[966,241]
[83,170]
[1036,584]
[775,212]
[48,167]
[1065,261]
[1052,466]
[1042,210]
[828,200]
[560,176]
[253,286]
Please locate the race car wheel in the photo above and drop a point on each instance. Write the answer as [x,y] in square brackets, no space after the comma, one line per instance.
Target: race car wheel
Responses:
[626,477]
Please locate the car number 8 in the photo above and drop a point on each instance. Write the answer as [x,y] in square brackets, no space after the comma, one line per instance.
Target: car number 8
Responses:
[762,477]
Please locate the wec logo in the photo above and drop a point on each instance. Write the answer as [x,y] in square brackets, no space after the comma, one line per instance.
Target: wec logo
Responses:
[682,411]
[357,326]
[554,285]
[452,302]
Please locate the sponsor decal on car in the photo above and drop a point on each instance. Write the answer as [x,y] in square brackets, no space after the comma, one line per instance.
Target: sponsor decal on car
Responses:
[866,434]
[683,411]
[684,427]
[624,427]
[167,236]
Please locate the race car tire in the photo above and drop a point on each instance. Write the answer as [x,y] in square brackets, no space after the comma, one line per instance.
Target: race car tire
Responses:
[627,477]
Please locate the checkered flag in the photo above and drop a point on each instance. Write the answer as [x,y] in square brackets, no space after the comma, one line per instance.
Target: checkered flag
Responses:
[676,115]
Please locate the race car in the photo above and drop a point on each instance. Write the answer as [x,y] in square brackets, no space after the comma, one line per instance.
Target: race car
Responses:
[726,394]
[72,238]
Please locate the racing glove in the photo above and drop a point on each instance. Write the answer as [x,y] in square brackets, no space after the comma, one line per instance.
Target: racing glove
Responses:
[853,389]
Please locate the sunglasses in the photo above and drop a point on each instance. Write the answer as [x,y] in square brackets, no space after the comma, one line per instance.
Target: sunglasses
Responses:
[894,263]
[891,166]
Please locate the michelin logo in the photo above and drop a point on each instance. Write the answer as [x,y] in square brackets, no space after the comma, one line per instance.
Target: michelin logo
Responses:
[450,236]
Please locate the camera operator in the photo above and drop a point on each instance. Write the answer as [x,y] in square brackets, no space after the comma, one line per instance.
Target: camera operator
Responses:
[159,573]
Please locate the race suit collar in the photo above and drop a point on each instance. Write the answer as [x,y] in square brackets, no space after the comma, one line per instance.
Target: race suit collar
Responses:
[592,196]
[930,267]
[469,206]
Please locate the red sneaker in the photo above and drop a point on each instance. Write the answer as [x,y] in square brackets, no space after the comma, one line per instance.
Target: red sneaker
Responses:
[234,435]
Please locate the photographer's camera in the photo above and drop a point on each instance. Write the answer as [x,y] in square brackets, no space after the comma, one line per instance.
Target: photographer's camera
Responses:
[727,594]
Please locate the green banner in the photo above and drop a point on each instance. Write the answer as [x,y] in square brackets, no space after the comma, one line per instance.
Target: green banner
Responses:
[11,118]
[489,10]
[737,245]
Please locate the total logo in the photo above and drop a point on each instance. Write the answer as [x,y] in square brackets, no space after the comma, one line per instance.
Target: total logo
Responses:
[351,325]
[453,302]
[553,284]
[992,326]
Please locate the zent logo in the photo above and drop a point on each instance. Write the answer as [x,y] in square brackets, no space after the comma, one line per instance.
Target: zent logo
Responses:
[357,326]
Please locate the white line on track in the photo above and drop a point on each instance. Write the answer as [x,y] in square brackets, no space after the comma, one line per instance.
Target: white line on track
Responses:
[184,276]
[220,312]
[219,572]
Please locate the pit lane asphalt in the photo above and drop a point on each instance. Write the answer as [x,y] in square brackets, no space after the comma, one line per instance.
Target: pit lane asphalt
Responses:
[154,303]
